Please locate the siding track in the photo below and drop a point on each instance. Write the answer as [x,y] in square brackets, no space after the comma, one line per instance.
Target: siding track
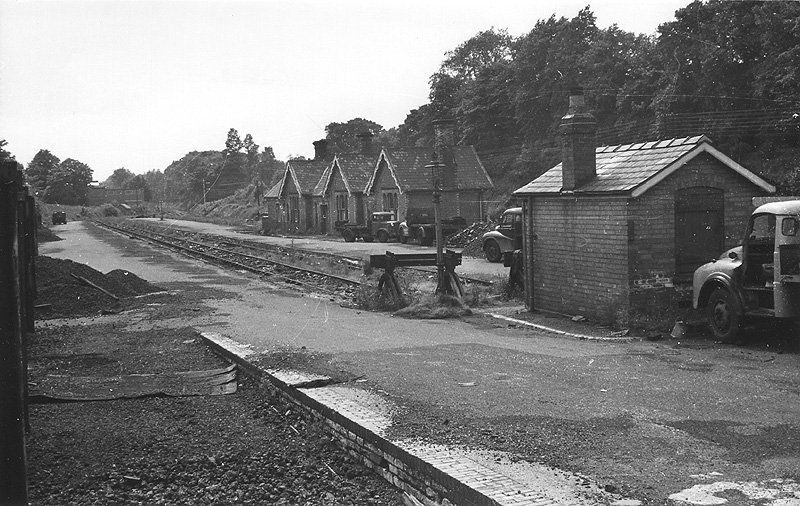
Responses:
[240,255]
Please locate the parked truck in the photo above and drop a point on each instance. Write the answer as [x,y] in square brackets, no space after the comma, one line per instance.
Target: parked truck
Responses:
[382,225]
[759,279]
[506,236]
[420,225]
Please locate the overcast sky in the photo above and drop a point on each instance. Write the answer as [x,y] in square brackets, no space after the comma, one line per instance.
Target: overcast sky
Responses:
[138,84]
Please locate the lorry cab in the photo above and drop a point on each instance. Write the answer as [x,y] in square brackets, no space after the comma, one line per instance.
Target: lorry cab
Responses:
[760,278]
[506,236]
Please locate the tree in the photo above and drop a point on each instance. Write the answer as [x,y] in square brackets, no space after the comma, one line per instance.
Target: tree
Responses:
[270,169]
[251,152]
[156,181]
[233,144]
[139,182]
[68,183]
[119,178]
[342,136]
[40,169]
[5,155]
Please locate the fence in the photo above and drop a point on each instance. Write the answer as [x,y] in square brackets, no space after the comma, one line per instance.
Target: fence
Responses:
[18,250]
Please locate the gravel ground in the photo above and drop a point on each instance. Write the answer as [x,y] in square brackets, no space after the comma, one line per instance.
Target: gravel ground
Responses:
[243,448]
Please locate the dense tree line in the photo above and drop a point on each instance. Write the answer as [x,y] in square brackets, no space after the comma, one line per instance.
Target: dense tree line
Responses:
[56,181]
[726,69]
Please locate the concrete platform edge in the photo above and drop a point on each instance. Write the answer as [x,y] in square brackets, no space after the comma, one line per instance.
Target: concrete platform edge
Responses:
[417,478]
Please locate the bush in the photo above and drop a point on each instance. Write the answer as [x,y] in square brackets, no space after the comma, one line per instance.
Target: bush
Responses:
[109,211]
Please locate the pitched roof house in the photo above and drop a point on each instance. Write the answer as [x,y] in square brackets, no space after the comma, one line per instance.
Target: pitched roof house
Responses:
[315,194]
[297,186]
[344,186]
[402,178]
[614,227]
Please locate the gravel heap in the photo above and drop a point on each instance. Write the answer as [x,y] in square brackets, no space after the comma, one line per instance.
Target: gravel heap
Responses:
[60,294]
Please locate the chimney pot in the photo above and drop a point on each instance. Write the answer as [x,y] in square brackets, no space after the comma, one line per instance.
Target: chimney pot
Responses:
[578,127]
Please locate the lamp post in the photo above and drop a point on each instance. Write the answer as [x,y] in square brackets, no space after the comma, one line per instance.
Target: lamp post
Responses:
[436,168]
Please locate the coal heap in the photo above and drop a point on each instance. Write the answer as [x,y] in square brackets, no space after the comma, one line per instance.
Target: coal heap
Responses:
[60,294]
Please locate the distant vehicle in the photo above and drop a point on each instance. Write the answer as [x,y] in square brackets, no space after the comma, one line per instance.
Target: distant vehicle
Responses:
[59,218]
[506,236]
[420,224]
[760,278]
[382,225]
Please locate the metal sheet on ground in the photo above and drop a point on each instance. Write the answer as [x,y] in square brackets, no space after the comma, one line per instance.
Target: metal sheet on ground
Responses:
[87,388]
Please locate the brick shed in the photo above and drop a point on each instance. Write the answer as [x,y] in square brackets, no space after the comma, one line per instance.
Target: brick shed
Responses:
[615,227]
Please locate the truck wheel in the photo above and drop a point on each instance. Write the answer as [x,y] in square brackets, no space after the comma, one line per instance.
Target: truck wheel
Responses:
[348,235]
[382,236]
[724,315]
[403,239]
[492,250]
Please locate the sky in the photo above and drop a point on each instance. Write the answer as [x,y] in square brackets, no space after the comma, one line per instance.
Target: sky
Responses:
[139,84]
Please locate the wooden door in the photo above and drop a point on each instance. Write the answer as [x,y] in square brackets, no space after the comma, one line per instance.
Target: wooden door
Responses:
[699,228]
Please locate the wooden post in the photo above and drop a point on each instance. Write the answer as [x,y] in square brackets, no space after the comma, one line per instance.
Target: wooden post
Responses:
[14,482]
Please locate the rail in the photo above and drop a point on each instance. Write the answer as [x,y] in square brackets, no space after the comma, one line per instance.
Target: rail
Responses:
[257,264]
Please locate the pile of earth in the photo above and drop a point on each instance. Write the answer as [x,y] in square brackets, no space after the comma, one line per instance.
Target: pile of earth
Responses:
[44,234]
[61,294]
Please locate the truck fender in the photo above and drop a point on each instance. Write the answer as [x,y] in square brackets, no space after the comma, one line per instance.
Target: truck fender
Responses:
[504,242]
[712,283]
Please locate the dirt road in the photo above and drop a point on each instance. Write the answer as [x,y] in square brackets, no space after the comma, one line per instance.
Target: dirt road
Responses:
[646,420]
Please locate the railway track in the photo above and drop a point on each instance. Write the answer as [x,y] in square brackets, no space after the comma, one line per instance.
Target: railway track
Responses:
[251,258]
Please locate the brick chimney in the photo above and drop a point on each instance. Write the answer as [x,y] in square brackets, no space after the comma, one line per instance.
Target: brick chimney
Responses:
[578,129]
[444,145]
[321,150]
[365,140]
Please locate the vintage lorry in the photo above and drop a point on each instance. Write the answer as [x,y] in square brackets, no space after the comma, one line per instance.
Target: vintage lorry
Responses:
[420,225]
[59,218]
[382,225]
[759,279]
[506,236]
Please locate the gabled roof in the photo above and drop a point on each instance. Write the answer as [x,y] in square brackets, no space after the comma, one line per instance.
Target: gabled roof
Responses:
[305,174]
[275,191]
[407,166]
[635,168]
[355,170]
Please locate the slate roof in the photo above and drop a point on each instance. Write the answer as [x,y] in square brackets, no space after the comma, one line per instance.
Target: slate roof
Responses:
[407,165]
[275,191]
[635,168]
[356,170]
[305,173]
